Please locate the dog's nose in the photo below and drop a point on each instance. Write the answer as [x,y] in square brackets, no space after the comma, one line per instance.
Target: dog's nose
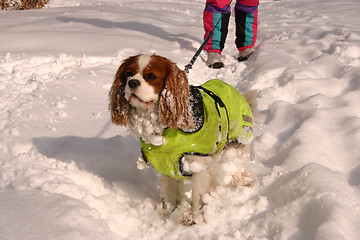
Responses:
[133,83]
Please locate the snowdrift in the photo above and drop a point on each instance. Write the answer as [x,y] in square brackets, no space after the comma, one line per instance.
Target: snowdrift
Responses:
[67,173]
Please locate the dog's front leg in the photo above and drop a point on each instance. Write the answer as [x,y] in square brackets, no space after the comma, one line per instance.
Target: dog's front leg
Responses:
[202,183]
[170,191]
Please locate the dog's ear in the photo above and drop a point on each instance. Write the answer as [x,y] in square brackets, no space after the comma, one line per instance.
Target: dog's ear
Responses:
[174,105]
[119,107]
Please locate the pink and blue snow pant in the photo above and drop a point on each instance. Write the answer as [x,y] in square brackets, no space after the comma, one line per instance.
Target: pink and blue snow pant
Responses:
[246,13]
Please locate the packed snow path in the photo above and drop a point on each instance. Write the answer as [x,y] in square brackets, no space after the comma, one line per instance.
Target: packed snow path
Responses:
[67,173]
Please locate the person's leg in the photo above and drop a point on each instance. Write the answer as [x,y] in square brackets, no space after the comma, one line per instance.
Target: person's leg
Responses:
[246,29]
[214,10]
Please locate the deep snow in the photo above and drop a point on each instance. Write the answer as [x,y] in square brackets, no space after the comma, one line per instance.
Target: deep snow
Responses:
[67,173]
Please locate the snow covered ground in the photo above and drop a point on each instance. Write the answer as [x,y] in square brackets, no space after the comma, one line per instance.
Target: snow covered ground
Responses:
[67,173]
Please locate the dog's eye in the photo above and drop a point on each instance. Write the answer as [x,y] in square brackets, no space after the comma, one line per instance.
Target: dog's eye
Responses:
[151,76]
[129,74]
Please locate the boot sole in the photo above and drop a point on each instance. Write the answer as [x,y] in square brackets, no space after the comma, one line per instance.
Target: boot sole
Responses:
[241,59]
[216,65]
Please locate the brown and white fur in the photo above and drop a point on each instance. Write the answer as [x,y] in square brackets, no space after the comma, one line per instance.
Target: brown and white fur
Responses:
[150,93]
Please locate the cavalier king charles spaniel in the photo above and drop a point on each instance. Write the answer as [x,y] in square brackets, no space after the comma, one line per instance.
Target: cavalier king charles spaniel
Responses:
[196,137]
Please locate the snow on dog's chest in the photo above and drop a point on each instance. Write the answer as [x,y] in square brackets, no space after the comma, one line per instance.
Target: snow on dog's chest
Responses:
[147,126]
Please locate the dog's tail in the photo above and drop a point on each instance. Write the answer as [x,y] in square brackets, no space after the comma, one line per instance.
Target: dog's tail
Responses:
[251,97]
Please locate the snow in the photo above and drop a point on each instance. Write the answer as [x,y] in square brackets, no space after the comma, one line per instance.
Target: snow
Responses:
[67,173]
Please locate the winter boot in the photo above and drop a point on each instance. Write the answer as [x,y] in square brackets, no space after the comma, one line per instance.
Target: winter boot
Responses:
[244,55]
[214,60]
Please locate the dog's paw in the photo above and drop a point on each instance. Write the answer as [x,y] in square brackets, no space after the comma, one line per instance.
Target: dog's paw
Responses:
[190,218]
[183,215]
[164,209]
[187,219]
[242,178]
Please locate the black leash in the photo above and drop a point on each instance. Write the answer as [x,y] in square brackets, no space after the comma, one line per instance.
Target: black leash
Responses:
[207,39]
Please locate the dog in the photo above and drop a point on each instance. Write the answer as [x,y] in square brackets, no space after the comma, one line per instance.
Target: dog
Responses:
[201,133]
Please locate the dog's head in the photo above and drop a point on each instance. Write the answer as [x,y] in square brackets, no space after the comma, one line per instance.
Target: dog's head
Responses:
[146,82]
